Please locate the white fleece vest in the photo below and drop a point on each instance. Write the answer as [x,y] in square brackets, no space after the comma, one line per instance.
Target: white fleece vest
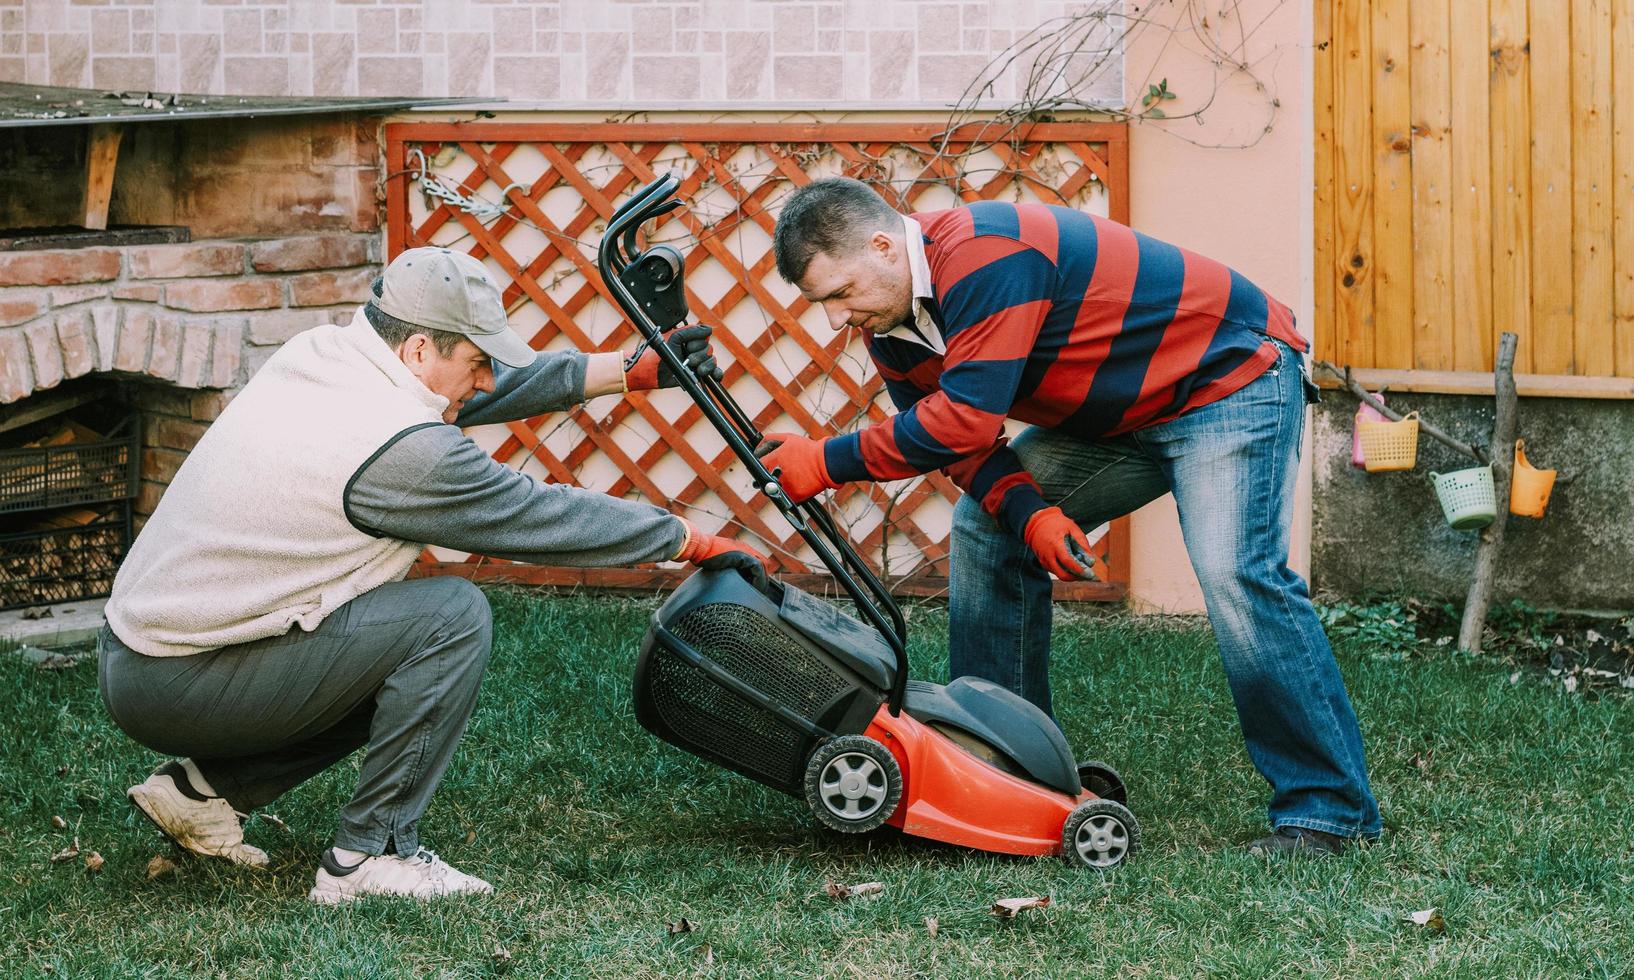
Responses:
[251,537]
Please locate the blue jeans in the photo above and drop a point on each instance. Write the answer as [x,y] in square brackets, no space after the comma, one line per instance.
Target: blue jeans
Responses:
[1231,466]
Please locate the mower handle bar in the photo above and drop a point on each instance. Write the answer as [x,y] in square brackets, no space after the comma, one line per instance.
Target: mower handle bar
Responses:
[619,249]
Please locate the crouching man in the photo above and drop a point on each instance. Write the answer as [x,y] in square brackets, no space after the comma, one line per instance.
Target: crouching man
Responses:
[261,628]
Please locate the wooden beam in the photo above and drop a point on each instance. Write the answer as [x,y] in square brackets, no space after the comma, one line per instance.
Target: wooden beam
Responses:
[1552,133]
[45,406]
[1480,383]
[756,132]
[101,154]
[1433,192]
[1322,222]
[1593,187]
[1470,65]
[1353,183]
[1392,147]
[1511,117]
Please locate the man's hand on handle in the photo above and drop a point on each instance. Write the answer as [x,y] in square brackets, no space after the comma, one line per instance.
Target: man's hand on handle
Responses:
[712,552]
[1060,545]
[690,344]
[802,472]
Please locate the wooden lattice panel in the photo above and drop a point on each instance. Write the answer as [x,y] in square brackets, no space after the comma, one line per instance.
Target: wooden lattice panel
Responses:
[531,200]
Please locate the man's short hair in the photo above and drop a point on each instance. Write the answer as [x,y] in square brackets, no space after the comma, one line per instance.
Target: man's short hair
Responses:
[834,216]
[394,331]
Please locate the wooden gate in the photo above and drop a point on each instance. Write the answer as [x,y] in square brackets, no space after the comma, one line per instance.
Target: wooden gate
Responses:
[531,200]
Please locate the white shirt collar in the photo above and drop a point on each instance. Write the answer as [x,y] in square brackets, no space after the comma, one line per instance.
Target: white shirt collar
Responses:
[923,331]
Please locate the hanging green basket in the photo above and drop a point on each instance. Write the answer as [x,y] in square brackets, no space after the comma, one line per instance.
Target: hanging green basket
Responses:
[1467,497]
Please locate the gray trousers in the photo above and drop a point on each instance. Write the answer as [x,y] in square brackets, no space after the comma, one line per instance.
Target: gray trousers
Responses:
[396,669]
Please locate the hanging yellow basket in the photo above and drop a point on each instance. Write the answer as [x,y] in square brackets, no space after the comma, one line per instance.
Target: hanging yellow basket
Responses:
[1389,446]
[1529,488]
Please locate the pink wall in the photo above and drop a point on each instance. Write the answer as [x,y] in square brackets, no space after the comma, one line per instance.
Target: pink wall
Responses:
[1248,207]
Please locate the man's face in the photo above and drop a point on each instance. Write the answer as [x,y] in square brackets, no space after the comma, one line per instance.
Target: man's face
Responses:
[457,376]
[870,289]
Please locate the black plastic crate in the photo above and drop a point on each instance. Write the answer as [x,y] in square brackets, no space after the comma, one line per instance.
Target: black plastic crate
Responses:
[77,473]
[62,564]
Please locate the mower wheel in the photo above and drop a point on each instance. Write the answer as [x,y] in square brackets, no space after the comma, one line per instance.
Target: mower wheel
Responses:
[1100,834]
[1102,780]
[853,784]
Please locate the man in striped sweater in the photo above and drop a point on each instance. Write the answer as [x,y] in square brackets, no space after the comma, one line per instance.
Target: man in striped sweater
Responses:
[1141,369]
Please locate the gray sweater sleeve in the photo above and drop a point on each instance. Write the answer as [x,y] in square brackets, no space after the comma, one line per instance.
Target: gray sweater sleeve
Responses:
[431,484]
[554,381]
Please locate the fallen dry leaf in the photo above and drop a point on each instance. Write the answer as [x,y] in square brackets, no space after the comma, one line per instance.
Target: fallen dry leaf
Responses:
[1430,919]
[272,818]
[58,823]
[679,926]
[66,854]
[707,953]
[471,837]
[502,956]
[930,925]
[38,612]
[1009,908]
[836,890]
[160,866]
[93,862]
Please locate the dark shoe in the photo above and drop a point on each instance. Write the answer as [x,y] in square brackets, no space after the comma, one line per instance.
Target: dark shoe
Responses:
[1298,840]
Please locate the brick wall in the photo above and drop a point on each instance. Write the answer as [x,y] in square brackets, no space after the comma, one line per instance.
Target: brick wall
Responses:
[886,52]
[192,322]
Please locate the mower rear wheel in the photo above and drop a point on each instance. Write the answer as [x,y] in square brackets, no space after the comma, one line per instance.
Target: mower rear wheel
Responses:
[1102,780]
[1100,834]
[853,784]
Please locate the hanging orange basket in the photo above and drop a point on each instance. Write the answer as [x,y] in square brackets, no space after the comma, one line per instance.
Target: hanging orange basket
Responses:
[1389,446]
[1529,487]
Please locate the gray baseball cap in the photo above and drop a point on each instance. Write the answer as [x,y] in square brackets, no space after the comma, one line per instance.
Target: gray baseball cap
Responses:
[444,289]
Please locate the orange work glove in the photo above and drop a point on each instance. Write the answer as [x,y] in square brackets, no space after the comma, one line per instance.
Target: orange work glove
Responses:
[690,344]
[1059,543]
[700,547]
[804,474]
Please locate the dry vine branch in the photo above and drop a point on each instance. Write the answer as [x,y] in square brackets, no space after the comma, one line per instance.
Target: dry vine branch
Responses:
[1475,452]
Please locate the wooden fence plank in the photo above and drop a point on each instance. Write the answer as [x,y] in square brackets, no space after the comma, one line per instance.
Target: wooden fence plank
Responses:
[1392,146]
[1432,232]
[1552,128]
[1324,327]
[1511,178]
[1471,59]
[1353,179]
[1592,184]
[1622,109]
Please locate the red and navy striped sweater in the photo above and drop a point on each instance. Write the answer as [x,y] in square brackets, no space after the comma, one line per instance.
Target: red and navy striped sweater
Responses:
[1061,319]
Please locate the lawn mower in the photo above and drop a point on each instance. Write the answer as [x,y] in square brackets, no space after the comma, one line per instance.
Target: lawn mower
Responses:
[780,686]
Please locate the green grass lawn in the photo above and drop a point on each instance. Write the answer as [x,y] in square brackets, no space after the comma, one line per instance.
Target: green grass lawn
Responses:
[1509,806]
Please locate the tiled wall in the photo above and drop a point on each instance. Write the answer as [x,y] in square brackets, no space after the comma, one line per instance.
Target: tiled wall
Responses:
[883,52]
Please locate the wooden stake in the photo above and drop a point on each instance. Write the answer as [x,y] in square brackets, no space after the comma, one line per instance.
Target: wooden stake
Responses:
[1492,536]
[101,153]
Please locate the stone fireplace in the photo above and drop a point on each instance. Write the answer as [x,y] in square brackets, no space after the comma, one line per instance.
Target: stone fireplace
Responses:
[183,325]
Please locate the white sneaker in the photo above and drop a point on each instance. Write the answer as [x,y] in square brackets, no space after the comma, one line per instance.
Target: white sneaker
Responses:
[206,825]
[423,876]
